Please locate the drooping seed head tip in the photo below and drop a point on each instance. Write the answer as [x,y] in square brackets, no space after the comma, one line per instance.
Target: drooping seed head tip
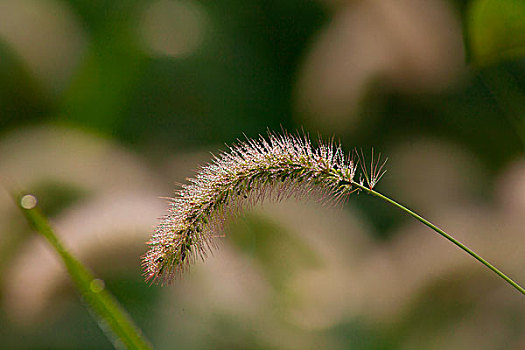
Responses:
[276,167]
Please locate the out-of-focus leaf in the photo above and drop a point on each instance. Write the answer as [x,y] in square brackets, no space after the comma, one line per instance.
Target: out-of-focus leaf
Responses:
[112,318]
[102,85]
[496,30]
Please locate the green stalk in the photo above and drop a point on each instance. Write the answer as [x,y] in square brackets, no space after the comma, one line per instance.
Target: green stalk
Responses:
[442,233]
[112,318]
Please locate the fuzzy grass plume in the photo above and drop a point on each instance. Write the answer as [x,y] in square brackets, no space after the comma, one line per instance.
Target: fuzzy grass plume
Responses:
[278,167]
[274,168]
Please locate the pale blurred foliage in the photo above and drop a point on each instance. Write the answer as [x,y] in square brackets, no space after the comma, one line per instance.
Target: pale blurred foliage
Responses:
[46,35]
[106,232]
[511,189]
[406,45]
[427,168]
[72,157]
[286,314]
[442,181]
[112,219]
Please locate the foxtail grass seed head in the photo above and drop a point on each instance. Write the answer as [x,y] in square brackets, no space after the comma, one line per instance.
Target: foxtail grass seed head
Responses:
[275,168]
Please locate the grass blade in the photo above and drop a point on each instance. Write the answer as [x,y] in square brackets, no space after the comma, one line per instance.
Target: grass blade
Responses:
[111,316]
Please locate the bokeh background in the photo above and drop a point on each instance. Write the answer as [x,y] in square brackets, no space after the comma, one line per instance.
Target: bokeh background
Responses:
[106,105]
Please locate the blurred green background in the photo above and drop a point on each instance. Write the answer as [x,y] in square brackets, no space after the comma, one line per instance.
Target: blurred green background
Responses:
[106,105]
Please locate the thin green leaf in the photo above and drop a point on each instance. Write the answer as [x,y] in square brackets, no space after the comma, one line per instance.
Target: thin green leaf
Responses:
[111,316]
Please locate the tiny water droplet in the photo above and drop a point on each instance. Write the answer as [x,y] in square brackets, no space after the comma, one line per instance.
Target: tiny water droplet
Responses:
[97,285]
[28,201]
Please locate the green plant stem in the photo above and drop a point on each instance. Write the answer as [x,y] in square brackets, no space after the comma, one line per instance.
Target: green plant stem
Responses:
[442,233]
[112,317]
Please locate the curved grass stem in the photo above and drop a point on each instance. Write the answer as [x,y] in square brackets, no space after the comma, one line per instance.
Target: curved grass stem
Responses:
[442,233]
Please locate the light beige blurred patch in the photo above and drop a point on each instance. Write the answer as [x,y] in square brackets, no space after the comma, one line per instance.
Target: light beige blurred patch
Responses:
[417,258]
[399,274]
[410,45]
[511,188]
[112,221]
[326,295]
[38,155]
[107,233]
[46,35]
[431,174]
[70,156]
[233,285]
[174,28]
